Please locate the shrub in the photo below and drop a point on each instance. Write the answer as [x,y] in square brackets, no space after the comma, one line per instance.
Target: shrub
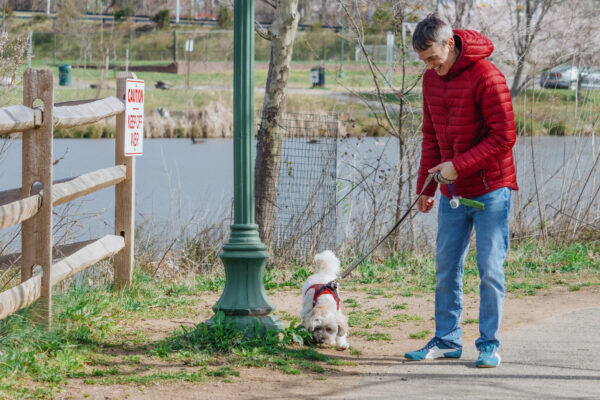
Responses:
[39,18]
[120,14]
[556,128]
[382,20]
[225,18]
[162,19]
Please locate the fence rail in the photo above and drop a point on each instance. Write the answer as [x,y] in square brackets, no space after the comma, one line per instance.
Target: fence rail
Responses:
[42,264]
[66,115]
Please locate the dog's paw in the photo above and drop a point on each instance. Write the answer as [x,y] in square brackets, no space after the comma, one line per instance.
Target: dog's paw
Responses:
[342,344]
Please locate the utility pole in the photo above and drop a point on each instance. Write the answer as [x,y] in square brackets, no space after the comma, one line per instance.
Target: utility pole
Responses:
[244,300]
[47,7]
[177,13]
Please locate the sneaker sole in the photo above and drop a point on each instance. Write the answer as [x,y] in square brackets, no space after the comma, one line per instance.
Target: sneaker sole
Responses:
[435,355]
[488,365]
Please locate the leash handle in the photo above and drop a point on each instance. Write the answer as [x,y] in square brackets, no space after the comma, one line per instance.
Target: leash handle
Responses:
[347,272]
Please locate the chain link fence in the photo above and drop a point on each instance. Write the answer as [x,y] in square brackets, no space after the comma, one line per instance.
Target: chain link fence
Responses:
[304,218]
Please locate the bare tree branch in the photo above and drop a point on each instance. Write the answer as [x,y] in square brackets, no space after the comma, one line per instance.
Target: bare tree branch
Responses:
[372,68]
[270,3]
[262,32]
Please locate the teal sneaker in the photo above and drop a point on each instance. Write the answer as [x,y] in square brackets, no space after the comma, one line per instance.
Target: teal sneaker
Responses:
[488,356]
[434,349]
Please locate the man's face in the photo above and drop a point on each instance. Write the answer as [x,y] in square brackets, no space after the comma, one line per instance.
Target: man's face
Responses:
[439,58]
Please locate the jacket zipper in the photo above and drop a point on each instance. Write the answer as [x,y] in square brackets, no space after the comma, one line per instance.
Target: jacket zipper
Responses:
[482,173]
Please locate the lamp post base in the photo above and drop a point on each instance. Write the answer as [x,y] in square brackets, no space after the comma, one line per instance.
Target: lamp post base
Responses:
[252,326]
[244,300]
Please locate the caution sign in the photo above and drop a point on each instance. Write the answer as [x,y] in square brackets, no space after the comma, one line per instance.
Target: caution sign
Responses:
[134,117]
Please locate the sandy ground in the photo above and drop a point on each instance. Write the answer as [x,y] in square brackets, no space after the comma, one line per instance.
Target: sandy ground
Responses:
[376,356]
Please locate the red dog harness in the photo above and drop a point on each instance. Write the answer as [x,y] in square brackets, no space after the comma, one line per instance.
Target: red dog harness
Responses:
[329,288]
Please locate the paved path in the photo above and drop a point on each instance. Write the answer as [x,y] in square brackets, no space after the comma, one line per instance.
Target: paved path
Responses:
[557,359]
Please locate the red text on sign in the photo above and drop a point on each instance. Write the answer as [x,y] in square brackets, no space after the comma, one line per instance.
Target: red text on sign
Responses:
[135,96]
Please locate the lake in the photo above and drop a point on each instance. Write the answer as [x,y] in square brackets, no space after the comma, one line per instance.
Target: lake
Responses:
[178,182]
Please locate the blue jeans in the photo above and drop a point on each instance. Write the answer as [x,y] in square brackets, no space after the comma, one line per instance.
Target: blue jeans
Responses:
[454,232]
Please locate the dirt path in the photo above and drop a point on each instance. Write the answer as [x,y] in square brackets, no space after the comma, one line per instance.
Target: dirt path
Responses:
[376,356]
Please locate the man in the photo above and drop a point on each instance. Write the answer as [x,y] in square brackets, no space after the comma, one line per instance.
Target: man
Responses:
[468,135]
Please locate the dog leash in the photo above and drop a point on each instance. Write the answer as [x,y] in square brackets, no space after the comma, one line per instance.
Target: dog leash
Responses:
[437,176]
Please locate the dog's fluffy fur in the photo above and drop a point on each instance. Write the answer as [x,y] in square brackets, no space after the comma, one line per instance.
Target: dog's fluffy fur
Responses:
[324,321]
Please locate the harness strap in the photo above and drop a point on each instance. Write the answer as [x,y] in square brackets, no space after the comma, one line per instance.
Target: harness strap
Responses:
[328,288]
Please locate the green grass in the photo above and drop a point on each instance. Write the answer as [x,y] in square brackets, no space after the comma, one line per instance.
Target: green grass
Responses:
[90,342]
[364,319]
[420,334]
[372,336]
[351,303]
[96,334]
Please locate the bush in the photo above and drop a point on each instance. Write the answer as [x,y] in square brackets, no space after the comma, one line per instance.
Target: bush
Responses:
[121,14]
[225,18]
[162,19]
[39,18]
[556,128]
[382,21]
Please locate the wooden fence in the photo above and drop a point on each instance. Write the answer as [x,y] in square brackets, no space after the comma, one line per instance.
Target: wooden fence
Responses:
[43,265]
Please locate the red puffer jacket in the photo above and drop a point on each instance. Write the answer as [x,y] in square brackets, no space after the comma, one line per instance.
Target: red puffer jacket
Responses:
[468,119]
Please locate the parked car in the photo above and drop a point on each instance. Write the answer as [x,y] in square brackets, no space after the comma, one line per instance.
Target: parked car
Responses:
[591,81]
[564,76]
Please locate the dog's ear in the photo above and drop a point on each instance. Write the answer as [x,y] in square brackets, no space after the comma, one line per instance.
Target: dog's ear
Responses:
[342,323]
[309,322]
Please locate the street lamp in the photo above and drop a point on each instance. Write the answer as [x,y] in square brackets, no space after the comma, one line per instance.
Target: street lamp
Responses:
[244,300]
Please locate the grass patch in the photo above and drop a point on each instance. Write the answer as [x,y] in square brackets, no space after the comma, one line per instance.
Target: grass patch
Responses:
[351,303]
[372,336]
[525,288]
[90,336]
[375,291]
[364,319]
[470,321]
[420,334]
[407,317]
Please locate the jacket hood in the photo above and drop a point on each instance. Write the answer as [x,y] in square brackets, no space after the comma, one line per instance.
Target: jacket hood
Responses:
[473,47]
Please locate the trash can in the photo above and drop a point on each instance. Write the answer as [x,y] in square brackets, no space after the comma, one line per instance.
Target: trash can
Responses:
[317,76]
[64,74]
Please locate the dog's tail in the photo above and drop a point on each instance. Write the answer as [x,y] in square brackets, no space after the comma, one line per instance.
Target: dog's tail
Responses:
[327,262]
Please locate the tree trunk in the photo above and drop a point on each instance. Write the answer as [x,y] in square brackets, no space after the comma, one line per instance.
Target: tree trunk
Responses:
[516,86]
[268,146]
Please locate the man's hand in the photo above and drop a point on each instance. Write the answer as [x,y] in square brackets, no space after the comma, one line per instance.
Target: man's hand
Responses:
[446,169]
[425,203]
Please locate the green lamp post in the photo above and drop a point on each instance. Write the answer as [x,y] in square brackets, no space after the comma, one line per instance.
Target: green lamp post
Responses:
[244,300]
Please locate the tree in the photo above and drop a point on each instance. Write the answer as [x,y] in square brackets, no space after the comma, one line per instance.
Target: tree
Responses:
[266,171]
[162,19]
[225,18]
[68,16]
[526,18]
[457,12]
[121,14]
[398,125]
[382,20]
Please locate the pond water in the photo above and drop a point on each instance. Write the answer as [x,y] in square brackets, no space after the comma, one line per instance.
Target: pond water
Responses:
[178,181]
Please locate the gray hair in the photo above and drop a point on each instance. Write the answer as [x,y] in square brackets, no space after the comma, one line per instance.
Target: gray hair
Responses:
[431,30]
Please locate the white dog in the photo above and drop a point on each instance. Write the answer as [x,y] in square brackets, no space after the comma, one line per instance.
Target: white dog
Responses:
[321,303]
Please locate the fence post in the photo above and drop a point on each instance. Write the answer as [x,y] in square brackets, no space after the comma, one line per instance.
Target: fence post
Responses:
[124,197]
[36,234]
